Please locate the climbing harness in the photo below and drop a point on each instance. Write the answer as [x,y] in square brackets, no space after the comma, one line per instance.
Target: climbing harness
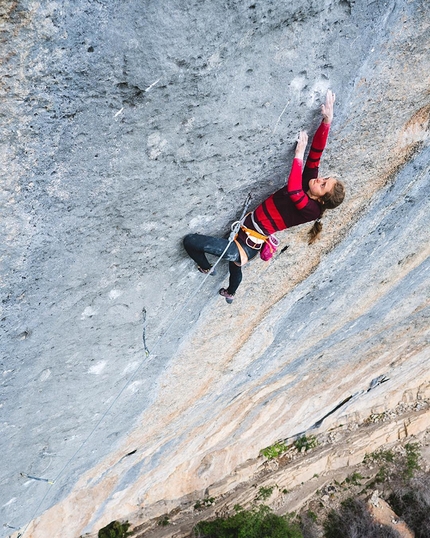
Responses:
[234,231]
[256,239]
[253,236]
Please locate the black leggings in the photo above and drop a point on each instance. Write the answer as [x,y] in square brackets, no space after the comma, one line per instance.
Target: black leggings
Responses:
[197,245]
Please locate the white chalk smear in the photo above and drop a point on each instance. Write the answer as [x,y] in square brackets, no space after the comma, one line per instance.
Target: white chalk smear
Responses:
[114,294]
[153,84]
[134,387]
[97,368]
[119,112]
[88,312]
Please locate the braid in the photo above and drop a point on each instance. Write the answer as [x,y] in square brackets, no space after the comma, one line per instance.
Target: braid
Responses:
[329,201]
[316,228]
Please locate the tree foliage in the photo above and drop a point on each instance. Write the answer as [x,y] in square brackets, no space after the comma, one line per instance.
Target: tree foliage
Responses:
[259,522]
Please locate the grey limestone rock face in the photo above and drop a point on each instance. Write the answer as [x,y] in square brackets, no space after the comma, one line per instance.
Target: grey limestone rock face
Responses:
[127,125]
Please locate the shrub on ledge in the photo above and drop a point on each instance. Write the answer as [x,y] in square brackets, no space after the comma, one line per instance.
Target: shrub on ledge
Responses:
[115,529]
[259,522]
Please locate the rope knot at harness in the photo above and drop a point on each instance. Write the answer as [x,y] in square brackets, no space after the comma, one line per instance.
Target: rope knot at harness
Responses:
[235,228]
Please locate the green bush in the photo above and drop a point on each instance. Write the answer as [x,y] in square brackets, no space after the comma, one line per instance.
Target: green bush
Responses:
[115,529]
[204,503]
[412,457]
[257,523]
[164,521]
[264,493]
[354,479]
[380,456]
[306,442]
[274,451]
[395,469]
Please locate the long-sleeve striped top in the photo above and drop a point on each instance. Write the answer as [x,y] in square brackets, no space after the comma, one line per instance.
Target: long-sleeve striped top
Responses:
[291,206]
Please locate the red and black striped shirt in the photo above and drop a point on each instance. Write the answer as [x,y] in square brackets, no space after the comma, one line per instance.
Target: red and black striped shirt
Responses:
[291,206]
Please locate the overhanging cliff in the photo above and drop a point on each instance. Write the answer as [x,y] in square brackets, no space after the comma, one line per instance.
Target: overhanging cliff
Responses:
[126,125]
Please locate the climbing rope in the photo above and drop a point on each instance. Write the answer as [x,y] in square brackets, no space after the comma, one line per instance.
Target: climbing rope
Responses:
[235,227]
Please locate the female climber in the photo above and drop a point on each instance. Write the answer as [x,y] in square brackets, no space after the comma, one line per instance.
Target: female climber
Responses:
[304,199]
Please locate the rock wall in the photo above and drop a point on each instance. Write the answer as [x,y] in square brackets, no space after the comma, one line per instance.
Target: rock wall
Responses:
[126,125]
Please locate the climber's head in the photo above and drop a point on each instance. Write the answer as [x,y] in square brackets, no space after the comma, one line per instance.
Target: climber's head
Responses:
[328,191]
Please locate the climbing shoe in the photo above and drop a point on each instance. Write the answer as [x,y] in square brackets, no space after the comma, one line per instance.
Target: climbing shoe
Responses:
[228,296]
[206,271]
